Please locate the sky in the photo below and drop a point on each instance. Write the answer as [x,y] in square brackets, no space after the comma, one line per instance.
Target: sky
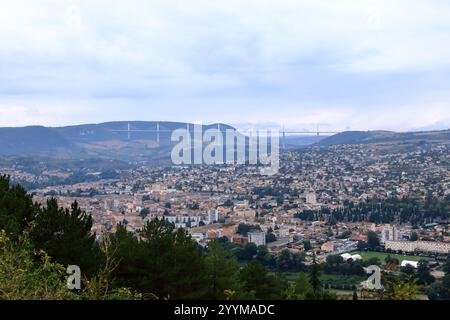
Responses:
[343,65]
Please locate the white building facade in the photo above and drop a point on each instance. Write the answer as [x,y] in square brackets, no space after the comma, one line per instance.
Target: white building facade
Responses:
[258,238]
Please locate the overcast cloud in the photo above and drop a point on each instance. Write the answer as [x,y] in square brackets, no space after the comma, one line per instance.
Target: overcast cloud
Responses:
[348,64]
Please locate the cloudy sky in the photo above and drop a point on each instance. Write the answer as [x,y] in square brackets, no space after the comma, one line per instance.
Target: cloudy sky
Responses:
[347,64]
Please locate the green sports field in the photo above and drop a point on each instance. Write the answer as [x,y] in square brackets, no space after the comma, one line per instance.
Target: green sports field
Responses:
[382,256]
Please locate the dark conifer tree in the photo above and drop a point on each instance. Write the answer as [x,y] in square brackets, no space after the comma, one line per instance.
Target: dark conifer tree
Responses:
[16,208]
[66,236]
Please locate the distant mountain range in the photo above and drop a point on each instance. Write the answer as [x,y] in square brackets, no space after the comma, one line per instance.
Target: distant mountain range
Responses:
[138,140]
[134,140]
[365,137]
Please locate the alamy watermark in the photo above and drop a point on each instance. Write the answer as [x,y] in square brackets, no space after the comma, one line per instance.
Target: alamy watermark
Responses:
[215,146]
[374,281]
[74,278]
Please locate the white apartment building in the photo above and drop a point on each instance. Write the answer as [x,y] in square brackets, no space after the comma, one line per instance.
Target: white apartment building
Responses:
[425,246]
[258,238]
[311,198]
[389,233]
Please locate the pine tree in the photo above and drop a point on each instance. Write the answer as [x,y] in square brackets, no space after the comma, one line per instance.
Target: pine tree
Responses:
[16,208]
[221,270]
[257,282]
[161,261]
[66,236]
[314,279]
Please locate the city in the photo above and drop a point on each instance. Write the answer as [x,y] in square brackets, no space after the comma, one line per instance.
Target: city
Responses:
[225,159]
[324,202]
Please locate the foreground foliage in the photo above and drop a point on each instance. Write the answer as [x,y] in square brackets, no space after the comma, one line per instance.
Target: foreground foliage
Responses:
[27,275]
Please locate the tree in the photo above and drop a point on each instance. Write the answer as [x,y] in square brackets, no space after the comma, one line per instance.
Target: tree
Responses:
[396,288]
[66,236]
[247,251]
[334,261]
[265,258]
[99,286]
[372,240]
[26,274]
[440,290]
[307,245]
[389,260]
[179,262]
[16,208]
[144,212]
[446,267]
[284,260]
[314,278]
[270,237]
[423,273]
[287,261]
[257,282]
[408,270]
[244,229]
[445,287]
[228,203]
[303,287]
[414,236]
[345,235]
[162,261]
[362,245]
[221,270]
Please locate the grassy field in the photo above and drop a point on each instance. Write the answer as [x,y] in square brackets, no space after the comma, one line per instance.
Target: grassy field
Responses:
[382,256]
[341,281]
[332,280]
